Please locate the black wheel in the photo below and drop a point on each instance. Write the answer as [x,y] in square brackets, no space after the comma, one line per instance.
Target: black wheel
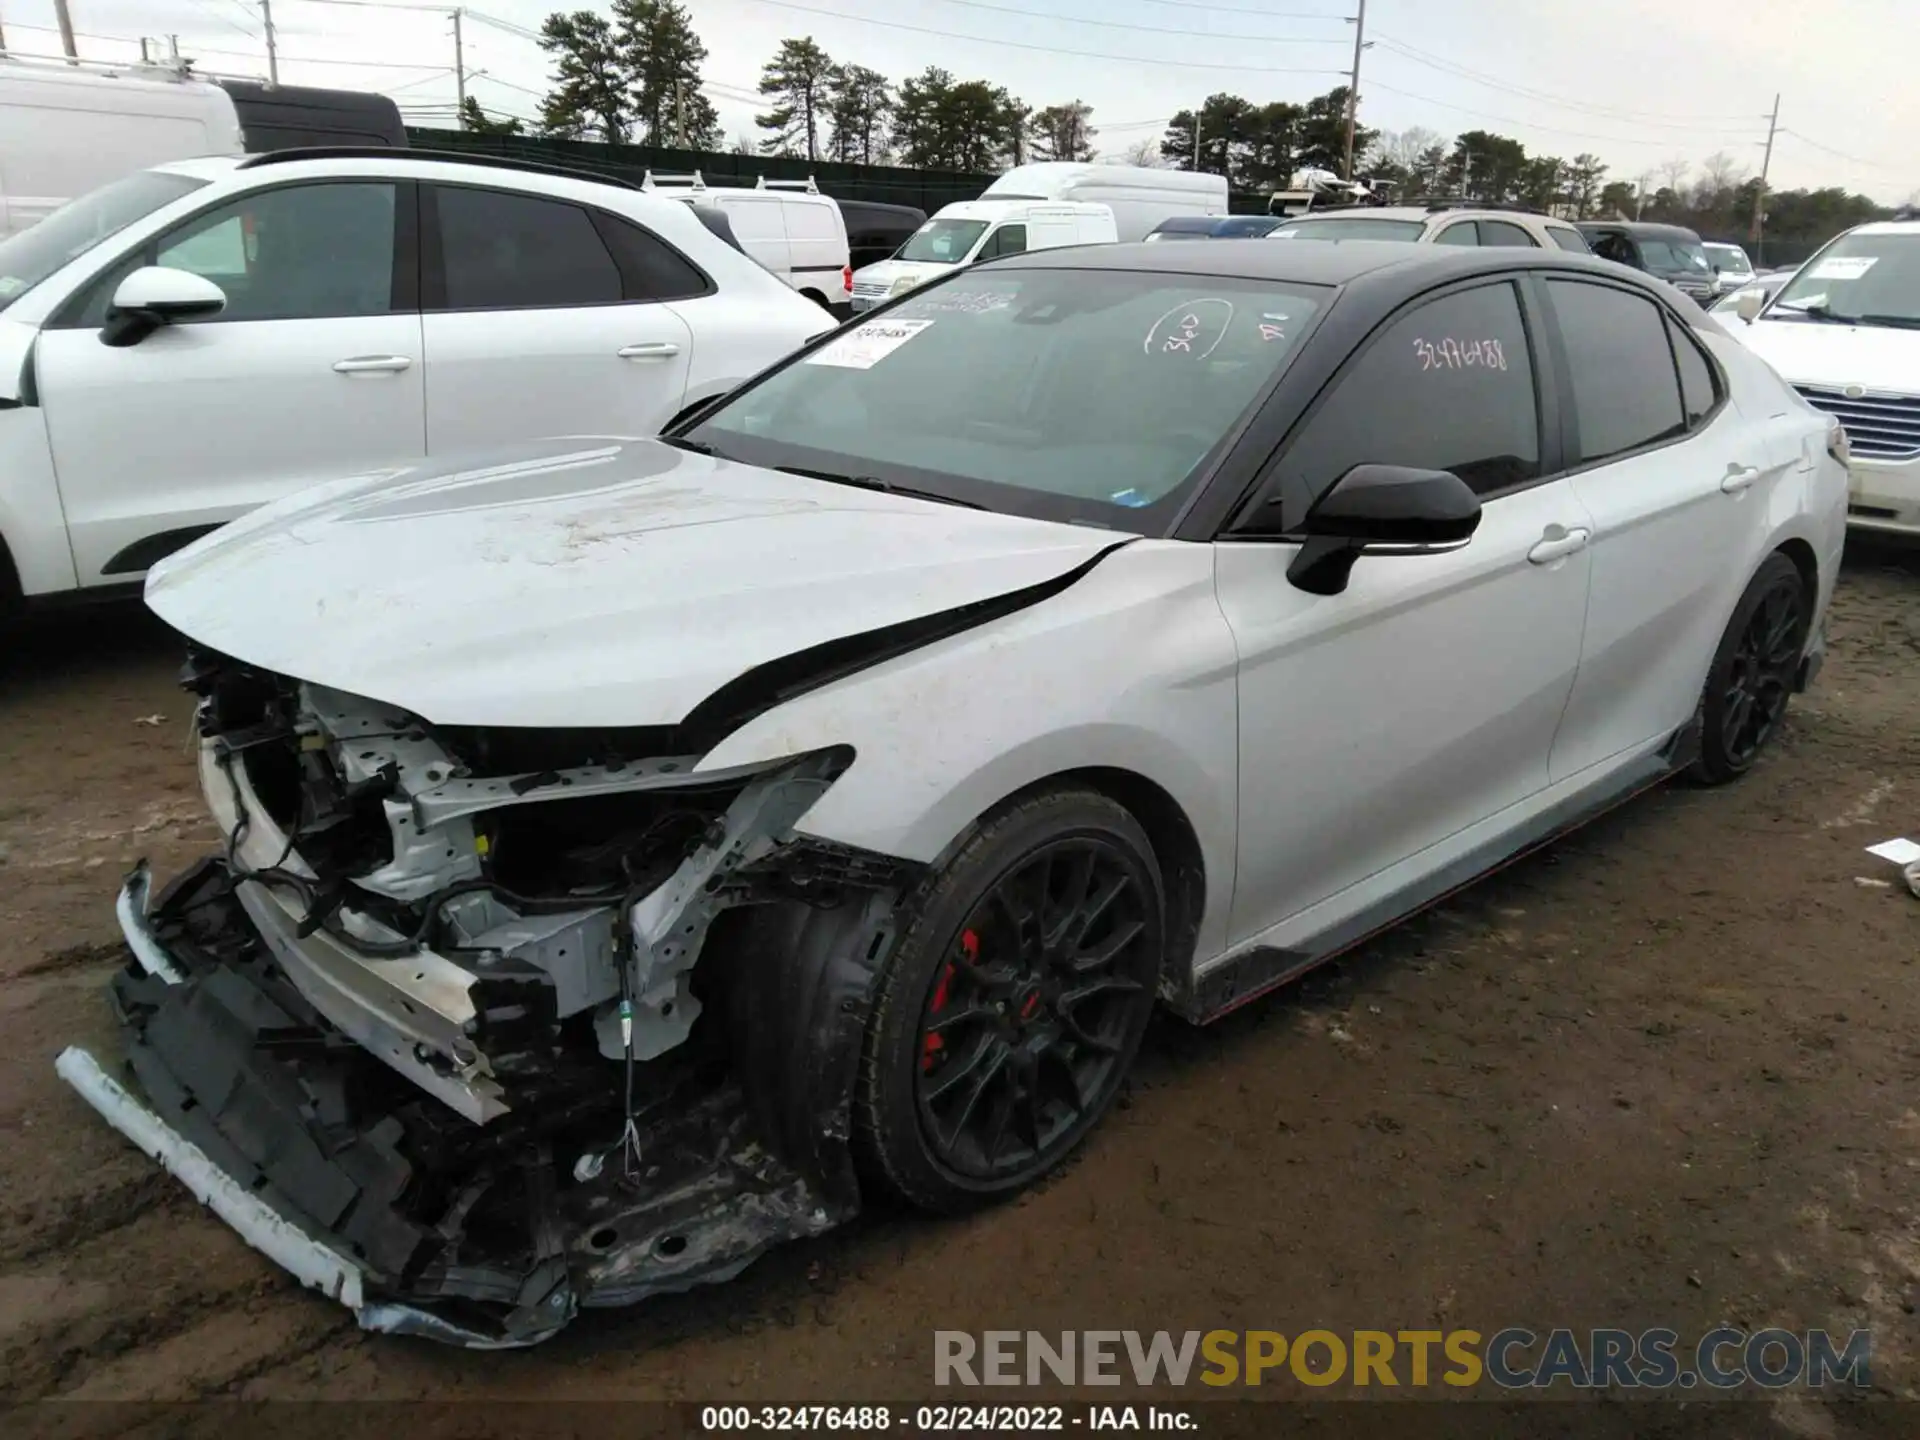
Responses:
[1013,1003]
[1753,672]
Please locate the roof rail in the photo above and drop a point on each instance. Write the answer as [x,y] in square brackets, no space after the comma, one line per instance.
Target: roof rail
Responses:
[806,186]
[1436,203]
[398,155]
[144,69]
[691,179]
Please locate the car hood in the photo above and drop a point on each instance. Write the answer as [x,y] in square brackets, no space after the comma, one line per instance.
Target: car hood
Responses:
[584,582]
[1808,352]
[890,272]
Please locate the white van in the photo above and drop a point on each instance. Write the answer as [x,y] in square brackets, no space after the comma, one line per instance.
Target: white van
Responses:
[971,230]
[786,225]
[66,130]
[1139,196]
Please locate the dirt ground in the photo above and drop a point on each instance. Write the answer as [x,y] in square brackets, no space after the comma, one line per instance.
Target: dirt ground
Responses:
[1664,1074]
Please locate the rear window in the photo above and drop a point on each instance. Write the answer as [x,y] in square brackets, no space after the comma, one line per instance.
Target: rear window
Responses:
[1569,239]
[1350,228]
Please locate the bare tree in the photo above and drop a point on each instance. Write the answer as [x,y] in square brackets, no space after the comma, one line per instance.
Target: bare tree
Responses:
[1720,171]
[1144,153]
[1675,171]
[1403,148]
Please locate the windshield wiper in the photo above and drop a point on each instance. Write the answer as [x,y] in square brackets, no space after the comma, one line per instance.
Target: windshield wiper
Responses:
[698,447]
[1892,322]
[1813,310]
[874,482]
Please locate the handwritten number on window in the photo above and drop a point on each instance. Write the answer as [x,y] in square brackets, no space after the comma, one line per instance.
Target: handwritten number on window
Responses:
[1449,353]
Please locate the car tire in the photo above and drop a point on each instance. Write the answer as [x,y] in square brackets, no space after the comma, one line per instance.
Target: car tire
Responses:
[1753,672]
[1005,1022]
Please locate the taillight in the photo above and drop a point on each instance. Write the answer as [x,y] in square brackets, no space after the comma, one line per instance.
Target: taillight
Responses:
[846,278]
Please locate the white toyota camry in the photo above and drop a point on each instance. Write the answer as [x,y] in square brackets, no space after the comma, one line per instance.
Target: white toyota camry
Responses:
[640,853]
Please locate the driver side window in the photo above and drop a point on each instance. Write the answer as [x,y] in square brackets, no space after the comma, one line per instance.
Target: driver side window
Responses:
[1447,386]
[1007,240]
[301,252]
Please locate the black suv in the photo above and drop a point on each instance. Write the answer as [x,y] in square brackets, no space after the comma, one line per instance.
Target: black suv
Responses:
[1669,252]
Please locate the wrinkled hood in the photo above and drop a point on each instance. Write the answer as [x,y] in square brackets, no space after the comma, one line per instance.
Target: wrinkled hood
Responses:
[1812,353]
[583,581]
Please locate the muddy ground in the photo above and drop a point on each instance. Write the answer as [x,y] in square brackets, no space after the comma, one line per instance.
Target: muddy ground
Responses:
[1664,1074]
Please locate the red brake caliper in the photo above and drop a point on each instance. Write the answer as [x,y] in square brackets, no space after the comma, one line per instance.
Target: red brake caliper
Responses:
[932,1045]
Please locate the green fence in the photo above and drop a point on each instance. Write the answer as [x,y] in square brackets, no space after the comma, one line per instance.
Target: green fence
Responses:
[887,184]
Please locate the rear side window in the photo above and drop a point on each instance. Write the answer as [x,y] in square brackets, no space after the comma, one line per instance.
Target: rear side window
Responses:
[1569,239]
[1462,234]
[1447,386]
[1501,232]
[650,269]
[520,252]
[1698,391]
[1626,393]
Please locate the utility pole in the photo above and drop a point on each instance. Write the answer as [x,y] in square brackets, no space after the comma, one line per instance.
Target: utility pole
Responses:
[66,31]
[273,54]
[1353,85]
[1196,137]
[1640,196]
[1760,190]
[459,73]
[680,111]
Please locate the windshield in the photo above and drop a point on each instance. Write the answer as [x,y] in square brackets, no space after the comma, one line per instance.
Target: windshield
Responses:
[76,227]
[943,242]
[1089,395]
[1863,279]
[1730,258]
[1674,257]
[1350,228]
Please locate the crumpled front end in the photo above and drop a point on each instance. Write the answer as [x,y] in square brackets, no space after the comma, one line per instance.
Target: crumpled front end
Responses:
[470,1029]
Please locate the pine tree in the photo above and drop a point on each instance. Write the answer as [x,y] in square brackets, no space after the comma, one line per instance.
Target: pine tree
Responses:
[591,93]
[798,80]
[859,102]
[662,56]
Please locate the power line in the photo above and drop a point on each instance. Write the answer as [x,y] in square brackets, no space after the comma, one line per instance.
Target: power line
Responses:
[1243,10]
[1148,29]
[1163,63]
[1606,112]
[1839,154]
[214,15]
[1665,142]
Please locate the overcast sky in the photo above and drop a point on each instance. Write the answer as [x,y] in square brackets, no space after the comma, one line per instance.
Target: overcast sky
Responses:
[1638,82]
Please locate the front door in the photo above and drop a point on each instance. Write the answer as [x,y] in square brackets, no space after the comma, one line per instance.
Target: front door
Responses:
[1379,723]
[312,372]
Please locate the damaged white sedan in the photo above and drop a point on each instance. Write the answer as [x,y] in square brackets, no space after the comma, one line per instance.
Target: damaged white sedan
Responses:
[640,853]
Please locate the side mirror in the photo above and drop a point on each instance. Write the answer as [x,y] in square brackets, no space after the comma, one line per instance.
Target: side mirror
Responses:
[1385,507]
[156,295]
[1749,304]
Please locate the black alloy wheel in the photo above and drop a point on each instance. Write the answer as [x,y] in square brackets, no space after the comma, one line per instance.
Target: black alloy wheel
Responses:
[1754,671]
[1014,1003]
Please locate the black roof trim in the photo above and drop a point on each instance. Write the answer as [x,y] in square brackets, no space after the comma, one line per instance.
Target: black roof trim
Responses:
[440,157]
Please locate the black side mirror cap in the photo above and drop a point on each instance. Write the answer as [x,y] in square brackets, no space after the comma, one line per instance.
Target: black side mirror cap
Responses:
[1389,507]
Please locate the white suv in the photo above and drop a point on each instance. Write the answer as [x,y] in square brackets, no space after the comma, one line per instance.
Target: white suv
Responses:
[1845,332]
[1443,222]
[199,338]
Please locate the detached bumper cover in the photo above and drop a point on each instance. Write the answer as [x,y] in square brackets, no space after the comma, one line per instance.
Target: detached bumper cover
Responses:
[416,1219]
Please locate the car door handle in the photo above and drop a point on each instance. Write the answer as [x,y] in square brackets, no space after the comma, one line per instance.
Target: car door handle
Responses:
[649,350]
[372,364]
[1738,478]
[1558,547]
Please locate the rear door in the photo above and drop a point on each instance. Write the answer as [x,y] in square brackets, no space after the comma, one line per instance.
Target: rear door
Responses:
[760,226]
[817,246]
[543,317]
[1378,724]
[1679,484]
[310,373]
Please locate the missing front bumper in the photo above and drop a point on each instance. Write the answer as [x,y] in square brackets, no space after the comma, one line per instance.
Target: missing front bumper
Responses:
[419,1221]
